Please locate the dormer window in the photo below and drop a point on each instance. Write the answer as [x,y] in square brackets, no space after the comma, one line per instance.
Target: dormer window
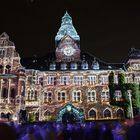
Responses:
[95,65]
[84,65]
[73,66]
[52,66]
[63,66]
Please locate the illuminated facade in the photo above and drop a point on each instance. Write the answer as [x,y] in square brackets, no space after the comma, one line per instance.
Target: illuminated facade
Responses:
[65,83]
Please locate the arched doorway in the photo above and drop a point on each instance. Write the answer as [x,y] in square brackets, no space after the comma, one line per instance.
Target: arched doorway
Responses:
[69,117]
[70,114]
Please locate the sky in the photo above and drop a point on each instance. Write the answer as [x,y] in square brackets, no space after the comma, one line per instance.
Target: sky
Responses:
[107,29]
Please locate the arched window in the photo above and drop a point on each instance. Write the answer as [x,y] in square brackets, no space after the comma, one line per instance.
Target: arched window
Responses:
[120,113]
[13,93]
[92,113]
[107,113]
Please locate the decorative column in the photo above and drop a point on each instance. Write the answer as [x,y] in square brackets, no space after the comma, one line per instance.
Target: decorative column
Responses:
[9,90]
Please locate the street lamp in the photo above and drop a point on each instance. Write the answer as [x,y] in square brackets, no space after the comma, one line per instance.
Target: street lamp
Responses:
[130,100]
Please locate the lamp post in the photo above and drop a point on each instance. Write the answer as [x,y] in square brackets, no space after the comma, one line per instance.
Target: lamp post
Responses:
[130,100]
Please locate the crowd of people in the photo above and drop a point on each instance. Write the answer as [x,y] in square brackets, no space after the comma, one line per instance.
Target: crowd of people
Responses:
[95,130]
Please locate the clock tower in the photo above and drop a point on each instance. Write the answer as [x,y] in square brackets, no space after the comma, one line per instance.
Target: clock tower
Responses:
[67,41]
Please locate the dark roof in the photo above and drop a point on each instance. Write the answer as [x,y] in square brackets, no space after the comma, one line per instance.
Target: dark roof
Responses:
[42,63]
[133,54]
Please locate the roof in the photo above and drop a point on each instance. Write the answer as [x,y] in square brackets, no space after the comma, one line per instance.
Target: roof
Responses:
[4,40]
[43,63]
[66,28]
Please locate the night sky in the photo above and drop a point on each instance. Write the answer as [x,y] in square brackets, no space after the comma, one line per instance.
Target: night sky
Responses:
[107,30]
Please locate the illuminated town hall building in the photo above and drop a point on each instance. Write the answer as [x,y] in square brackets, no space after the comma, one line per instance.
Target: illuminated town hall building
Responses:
[66,84]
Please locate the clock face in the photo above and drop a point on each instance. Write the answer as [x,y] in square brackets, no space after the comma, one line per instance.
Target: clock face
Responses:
[68,51]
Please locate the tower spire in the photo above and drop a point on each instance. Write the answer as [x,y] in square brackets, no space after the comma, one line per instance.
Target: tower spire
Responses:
[67,28]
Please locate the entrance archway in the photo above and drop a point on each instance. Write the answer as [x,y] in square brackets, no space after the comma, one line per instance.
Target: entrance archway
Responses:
[70,114]
[69,117]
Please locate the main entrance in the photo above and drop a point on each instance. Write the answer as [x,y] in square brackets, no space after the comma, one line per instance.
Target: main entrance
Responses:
[70,114]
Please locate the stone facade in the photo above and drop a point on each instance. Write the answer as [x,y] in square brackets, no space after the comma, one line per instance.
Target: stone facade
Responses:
[67,81]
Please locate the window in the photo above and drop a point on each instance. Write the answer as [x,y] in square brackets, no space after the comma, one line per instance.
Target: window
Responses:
[32,95]
[76,96]
[48,97]
[91,96]
[2,51]
[118,95]
[28,95]
[95,66]
[40,80]
[7,70]
[74,66]
[63,66]
[136,66]
[30,79]
[128,79]
[51,80]
[105,96]
[78,80]
[52,66]
[5,93]
[35,95]
[116,79]
[1,69]
[103,79]
[84,65]
[92,79]
[137,80]
[61,96]
[64,80]
[13,93]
